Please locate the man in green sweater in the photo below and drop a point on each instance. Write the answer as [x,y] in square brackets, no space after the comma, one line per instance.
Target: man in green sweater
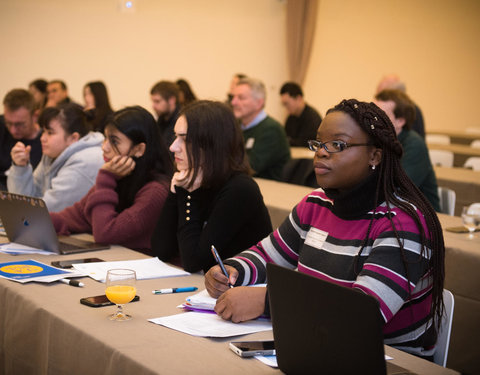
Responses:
[265,140]
[415,160]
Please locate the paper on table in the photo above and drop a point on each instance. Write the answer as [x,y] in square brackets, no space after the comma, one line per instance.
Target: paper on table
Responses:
[32,270]
[203,301]
[150,268]
[210,325]
[271,360]
[13,248]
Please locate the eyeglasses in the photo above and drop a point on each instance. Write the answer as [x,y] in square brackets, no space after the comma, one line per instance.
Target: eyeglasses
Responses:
[333,146]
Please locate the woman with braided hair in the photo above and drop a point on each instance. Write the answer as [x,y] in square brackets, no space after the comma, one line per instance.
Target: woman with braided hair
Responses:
[368,227]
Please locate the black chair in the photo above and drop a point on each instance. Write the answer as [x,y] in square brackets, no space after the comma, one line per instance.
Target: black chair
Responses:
[300,172]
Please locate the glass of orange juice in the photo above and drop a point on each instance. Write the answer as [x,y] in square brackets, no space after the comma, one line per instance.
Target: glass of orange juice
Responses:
[120,290]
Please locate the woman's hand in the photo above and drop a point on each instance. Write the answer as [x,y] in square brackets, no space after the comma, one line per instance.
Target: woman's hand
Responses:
[182,179]
[217,283]
[120,166]
[241,303]
[20,154]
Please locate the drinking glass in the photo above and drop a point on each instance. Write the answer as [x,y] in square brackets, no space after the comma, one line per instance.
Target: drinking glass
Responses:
[470,219]
[120,289]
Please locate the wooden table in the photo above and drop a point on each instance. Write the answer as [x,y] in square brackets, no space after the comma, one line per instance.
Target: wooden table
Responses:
[465,182]
[45,330]
[459,137]
[460,152]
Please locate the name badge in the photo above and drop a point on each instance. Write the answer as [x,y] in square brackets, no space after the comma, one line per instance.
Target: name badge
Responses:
[316,238]
[249,143]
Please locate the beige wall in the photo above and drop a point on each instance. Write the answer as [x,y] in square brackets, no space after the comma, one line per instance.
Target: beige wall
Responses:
[432,44]
[204,41]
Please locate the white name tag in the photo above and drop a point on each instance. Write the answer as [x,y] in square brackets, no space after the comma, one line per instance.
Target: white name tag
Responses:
[316,238]
[249,143]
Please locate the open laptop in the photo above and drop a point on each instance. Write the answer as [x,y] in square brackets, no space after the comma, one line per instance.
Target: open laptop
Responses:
[26,221]
[320,327]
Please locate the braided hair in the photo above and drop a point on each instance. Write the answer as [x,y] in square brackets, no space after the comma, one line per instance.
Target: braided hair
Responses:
[393,183]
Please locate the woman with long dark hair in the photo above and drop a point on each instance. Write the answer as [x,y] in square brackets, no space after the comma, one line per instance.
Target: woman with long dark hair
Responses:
[97,105]
[368,227]
[131,187]
[213,200]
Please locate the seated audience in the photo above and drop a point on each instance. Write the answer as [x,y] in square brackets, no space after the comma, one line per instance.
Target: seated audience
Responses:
[131,187]
[265,139]
[71,158]
[38,89]
[97,105]
[57,93]
[392,82]
[415,160]
[166,105]
[212,200]
[367,228]
[18,124]
[185,93]
[303,120]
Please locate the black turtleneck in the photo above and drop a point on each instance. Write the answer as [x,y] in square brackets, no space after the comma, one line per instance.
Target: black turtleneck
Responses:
[356,201]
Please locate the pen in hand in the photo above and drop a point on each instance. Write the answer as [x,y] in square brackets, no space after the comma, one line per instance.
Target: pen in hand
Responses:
[72,282]
[220,263]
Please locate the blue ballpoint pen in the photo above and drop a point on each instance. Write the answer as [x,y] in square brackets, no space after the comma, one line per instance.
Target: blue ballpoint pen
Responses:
[220,263]
[175,290]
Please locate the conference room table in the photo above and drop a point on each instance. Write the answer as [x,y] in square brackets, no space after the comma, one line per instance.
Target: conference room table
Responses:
[45,330]
[458,137]
[460,152]
[465,183]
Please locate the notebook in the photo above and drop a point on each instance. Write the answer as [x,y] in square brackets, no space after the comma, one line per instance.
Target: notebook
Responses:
[320,327]
[26,221]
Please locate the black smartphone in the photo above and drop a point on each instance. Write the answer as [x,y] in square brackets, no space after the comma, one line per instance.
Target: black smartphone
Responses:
[69,263]
[99,301]
[252,348]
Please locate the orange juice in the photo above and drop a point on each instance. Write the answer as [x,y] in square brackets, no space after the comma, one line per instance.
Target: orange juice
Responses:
[120,294]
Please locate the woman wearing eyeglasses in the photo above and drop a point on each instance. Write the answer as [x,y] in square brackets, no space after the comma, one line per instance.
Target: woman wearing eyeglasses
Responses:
[213,200]
[368,228]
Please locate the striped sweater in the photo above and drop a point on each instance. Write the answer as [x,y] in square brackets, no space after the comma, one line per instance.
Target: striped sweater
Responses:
[323,239]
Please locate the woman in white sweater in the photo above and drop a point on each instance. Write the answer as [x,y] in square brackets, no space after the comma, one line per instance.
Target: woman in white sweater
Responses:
[71,159]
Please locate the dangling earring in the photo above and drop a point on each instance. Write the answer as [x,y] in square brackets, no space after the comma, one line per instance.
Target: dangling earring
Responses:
[373,167]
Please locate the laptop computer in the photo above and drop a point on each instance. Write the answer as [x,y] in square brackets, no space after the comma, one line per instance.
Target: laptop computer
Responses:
[26,221]
[321,327]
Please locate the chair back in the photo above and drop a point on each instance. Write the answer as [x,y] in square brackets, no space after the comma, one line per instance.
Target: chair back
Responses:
[441,158]
[472,162]
[475,143]
[447,200]
[443,339]
[441,139]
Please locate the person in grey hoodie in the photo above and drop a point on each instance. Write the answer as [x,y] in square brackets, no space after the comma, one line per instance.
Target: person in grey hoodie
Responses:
[71,159]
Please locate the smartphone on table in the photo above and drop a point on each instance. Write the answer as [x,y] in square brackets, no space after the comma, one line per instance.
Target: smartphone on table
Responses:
[71,262]
[252,348]
[102,300]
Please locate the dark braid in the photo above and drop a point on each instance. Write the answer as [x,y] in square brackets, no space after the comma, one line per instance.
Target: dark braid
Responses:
[393,182]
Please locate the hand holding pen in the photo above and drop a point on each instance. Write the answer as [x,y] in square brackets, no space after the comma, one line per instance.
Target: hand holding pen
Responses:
[219,278]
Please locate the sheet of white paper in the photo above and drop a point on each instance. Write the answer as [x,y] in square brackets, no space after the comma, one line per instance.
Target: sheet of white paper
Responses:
[210,325]
[13,248]
[269,360]
[203,301]
[149,268]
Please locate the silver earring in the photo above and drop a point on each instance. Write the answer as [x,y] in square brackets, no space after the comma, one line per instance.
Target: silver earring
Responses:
[373,167]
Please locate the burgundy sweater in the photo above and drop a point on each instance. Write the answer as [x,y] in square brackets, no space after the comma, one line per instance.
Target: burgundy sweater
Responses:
[95,213]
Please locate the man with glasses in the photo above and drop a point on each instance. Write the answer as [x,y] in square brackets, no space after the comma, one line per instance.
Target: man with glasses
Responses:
[18,124]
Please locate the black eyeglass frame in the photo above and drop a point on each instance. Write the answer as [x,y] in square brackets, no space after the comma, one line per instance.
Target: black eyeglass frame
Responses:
[314,145]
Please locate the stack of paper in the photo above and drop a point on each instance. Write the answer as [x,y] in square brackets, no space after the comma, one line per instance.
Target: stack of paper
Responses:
[200,302]
[149,268]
